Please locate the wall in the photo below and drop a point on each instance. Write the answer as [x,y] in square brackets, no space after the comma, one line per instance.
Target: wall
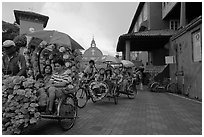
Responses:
[25,25]
[155,17]
[158,56]
[192,70]
[144,57]
[167,7]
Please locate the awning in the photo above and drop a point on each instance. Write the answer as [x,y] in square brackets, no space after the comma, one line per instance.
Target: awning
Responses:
[145,40]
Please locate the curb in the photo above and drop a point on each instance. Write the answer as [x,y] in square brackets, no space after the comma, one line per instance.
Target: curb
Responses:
[185,98]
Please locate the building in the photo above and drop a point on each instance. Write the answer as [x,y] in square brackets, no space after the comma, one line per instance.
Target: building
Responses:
[147,32]
[30,21]
[186,46]
[169,30]
[92,53]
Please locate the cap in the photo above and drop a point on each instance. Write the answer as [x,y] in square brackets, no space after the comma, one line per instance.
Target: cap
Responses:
[8,43]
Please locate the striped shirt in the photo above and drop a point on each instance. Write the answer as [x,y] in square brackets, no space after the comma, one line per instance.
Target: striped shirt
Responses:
[59,78]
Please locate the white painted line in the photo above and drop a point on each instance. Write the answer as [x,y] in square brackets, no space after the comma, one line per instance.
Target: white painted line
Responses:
[185,98]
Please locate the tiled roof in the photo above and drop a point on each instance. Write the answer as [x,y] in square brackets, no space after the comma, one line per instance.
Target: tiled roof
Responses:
[149,33]
[142,39]
[43,18]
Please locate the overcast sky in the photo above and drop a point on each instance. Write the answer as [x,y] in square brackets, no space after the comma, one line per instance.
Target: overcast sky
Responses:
[106,21]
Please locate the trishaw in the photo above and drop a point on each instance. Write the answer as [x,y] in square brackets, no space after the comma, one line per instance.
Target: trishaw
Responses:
[65,107]
[21,105]
[94,90]
[130,89]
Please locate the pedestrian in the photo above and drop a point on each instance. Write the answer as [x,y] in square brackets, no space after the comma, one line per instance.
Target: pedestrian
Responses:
[14,64]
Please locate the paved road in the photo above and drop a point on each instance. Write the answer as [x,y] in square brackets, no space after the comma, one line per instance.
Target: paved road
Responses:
[148,114]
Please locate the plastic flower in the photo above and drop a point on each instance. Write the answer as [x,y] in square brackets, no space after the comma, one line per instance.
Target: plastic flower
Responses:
[67,64]
[68,71]
[65,56]
[69,79]
[70,86]
[62,49]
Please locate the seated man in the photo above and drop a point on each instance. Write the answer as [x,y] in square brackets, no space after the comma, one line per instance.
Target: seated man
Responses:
[90,71]
[57,83]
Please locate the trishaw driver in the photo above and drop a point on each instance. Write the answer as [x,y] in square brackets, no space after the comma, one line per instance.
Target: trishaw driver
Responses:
[90,70]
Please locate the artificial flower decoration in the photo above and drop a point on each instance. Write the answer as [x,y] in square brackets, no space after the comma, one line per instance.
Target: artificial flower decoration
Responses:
[65,56]
[62,49]
[67,64]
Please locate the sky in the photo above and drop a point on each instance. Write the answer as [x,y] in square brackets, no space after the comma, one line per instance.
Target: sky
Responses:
[105,21]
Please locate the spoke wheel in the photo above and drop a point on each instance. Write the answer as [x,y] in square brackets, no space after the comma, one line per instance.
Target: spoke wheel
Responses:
[131,94]
[67,112]
[82,98]
[172,88]
[154,86]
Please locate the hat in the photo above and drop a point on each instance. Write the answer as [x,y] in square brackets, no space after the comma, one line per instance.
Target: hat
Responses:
[8,43]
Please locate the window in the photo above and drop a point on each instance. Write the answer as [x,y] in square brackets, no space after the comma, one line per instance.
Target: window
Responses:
[197,49]
[174,24]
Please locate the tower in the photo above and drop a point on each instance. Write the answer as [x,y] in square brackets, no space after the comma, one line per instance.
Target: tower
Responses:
[30,21]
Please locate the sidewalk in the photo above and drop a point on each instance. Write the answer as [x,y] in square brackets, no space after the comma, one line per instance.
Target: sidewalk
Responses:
[148,114]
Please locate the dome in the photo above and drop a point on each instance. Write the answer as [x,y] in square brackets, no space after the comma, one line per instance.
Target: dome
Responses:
[92,53]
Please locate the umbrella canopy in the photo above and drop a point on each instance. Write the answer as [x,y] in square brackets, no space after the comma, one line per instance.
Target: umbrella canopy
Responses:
[108,58]
[56,37]
[127,63]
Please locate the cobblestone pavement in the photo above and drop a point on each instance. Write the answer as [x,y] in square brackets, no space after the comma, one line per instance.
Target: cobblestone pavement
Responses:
[148,114]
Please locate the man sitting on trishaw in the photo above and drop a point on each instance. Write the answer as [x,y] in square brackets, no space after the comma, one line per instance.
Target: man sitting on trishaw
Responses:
[57,84]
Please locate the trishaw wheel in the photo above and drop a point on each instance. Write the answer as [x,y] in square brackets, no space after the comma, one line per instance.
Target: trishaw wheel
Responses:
[81,95]
[93,100]
[67,112]
[153,86]
[172,88]
[131,94]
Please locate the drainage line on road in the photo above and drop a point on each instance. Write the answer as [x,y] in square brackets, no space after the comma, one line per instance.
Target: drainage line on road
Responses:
[185,98]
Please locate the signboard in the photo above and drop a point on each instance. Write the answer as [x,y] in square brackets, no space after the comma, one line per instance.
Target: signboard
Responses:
[196,36]
[169,59]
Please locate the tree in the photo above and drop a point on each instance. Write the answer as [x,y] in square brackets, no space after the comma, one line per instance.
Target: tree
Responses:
[9,31]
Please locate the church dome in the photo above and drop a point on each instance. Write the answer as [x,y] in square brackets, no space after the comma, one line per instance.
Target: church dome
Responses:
[92,53]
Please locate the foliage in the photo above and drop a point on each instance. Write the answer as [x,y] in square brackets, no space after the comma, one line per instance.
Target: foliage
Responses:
[19,104]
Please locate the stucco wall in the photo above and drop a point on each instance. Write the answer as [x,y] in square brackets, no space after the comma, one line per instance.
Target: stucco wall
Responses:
[192,70]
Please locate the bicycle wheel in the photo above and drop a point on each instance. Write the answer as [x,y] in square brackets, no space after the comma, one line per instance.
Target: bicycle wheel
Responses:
[172,87]
[82,98]
[153,86]
[131,94]
[67,110]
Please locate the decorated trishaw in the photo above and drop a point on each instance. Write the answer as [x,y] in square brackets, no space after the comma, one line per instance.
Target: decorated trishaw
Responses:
[20,96]
[130,89]
[97,90]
